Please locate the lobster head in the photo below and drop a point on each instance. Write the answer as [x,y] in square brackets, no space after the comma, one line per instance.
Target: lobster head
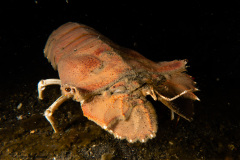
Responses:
[122,109]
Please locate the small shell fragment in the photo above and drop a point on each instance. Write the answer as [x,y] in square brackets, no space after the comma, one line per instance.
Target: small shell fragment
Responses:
[19,106]
[20,117]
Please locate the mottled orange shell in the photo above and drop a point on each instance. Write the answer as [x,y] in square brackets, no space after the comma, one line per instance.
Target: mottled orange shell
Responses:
[94,66]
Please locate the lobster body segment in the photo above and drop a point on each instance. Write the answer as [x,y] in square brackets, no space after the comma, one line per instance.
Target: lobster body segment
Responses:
[111,82]
[88,62]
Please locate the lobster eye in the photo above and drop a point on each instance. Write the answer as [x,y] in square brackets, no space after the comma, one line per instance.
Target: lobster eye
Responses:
[67,89]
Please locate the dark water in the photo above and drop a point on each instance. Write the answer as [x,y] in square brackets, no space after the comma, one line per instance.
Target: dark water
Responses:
[206,34]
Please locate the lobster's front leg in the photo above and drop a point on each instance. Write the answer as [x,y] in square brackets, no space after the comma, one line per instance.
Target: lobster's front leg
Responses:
[43,83]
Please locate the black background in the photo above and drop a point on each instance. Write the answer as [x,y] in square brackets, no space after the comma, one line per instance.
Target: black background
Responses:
[205,33]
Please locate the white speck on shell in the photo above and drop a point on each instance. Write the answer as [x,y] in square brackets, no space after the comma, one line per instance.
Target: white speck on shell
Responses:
[81,101]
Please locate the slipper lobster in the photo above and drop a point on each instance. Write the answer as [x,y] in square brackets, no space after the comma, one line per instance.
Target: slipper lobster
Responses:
[112,82]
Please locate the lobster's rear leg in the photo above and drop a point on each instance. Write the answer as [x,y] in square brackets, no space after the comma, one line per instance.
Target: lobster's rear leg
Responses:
[175,97]
[49,112]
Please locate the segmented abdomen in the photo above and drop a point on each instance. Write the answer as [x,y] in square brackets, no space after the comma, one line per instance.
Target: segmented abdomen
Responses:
[84,58]
[72,38]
